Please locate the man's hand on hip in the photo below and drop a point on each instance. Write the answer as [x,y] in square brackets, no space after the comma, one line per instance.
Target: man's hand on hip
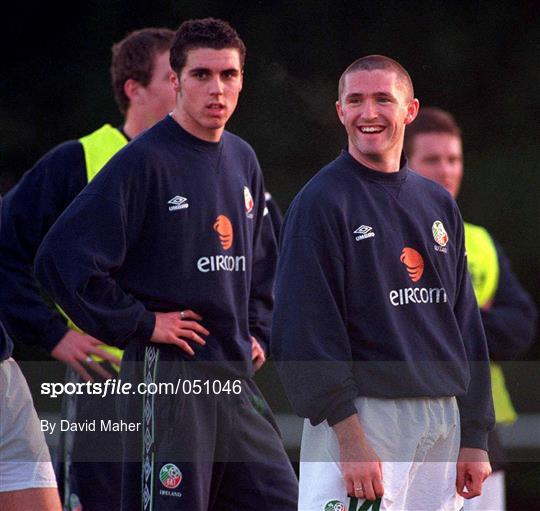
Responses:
[177,328]
[258,356]
[360,466]
[75,349]
[472,469]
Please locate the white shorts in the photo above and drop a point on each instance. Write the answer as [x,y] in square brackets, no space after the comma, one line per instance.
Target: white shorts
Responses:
[417,441]
[24,457]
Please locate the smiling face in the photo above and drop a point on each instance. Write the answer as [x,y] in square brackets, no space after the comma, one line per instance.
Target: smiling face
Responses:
[439,157]
[375,108]
[207,91]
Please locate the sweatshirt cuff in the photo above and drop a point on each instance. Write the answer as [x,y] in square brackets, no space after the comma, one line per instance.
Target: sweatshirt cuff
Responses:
[54,334]
[145,328]
[474,438]
[341,412]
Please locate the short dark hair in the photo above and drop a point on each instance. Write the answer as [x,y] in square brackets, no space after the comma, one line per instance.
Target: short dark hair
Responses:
[133,58]
[430,119]
[204,33]
[372,62]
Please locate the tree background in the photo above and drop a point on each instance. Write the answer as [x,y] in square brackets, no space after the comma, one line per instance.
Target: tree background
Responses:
[479,60]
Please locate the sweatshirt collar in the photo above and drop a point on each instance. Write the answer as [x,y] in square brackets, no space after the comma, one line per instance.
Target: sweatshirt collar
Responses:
[376,175]
[184,136]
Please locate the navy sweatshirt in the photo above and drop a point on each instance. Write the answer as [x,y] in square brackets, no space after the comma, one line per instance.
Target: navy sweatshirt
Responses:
[6,344]
[172,222]
[373,298]
[510,322]
[30,209]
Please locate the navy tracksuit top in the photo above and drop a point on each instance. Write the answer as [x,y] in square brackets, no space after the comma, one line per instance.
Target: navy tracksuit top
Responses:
[373,298]
[171,223]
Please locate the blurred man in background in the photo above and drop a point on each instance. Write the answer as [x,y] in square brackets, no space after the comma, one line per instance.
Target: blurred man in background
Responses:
[433,145]
[141,81]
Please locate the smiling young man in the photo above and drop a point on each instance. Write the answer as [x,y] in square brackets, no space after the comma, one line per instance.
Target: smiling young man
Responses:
[167,257]
[434,147]
[376,327]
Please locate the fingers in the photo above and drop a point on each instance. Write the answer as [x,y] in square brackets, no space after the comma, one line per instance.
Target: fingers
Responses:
[192,336]
[98,369]
[93,340]
[75,349]
[368,491]
[468,483]
[190,331]
[258,357]
[81,371]
[258,362]
[474,488]
[365,489]
[105,355]
[378,488]
[363,480]
[460,480]
[179,327]
[358,491]
[473,479]
[464,492]
[189,314]
[196,327]
[184,346]
[349,486]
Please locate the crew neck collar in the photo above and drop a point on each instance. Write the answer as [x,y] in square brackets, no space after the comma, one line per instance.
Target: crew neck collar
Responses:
[185,136]
[377,175]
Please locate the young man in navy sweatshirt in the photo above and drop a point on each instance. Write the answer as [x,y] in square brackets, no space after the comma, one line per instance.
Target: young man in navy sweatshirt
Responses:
[164,254]
[376,327]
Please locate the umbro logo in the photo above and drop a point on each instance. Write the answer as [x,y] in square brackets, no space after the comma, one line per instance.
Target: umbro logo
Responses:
[363,232]
[178,203]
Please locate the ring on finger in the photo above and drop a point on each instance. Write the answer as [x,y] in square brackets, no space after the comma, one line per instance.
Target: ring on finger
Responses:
[88,359]
[359,489]
[182,314]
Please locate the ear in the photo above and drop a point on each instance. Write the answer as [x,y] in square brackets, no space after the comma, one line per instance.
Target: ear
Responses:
[339,110]
[175,80]
[132,89]
[241,80]
[412,111]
